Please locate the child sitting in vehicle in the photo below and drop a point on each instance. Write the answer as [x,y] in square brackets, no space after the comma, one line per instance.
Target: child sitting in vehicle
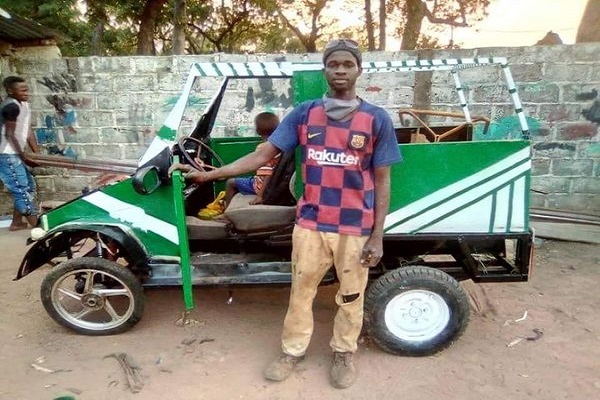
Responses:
[265,123]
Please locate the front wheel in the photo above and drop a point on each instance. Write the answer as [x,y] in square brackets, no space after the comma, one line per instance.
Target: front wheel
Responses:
[415,311]
[93,296]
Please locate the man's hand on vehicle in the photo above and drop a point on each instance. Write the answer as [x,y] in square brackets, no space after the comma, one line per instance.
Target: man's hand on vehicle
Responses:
[179,167]
[372,252]
[190,173]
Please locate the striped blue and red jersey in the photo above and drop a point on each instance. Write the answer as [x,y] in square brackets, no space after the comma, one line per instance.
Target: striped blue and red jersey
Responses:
[338,161]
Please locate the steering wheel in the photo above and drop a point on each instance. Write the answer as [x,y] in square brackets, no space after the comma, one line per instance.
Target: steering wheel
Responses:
[195,160]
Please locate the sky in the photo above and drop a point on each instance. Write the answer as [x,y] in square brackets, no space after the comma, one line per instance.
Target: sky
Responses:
[521,23]
[509,23]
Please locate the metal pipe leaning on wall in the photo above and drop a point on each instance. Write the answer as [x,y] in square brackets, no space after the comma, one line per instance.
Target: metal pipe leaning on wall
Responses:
[87,165]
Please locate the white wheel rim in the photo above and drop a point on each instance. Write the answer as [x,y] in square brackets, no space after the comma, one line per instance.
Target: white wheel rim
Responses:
[77,308]
[417,315]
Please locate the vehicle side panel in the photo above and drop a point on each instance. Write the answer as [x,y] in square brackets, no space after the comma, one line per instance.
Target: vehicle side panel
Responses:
[461,187]
[151,217]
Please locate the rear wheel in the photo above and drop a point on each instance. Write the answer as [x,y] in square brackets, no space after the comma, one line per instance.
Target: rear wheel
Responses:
[415,311]
[93,296]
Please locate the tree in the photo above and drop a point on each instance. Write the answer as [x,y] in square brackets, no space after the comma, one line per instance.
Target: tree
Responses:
[239,25]
[179,24]
[223,24]
[108,27]
[370,26]
[588,27]
[446,12]
[116,27]
[301,12]
[147,29]
[132,23]
[382,25]
[99,19]
[276,38]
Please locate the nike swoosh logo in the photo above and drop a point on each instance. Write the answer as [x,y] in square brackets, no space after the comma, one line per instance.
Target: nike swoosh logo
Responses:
[312,135]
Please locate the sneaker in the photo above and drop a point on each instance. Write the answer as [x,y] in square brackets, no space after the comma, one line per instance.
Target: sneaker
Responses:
[217,207]
[282,368]
[343,373]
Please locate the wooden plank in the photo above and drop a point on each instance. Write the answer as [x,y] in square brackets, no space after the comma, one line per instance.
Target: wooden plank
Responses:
[574,232]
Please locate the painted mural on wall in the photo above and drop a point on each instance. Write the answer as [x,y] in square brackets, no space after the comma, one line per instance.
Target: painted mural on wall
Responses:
[592,114]
[57,126]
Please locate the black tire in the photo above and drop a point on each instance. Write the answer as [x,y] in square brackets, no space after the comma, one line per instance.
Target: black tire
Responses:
[415,311]
[91,306]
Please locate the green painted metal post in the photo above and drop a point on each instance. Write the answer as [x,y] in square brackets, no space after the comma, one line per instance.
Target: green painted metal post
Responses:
[184,247]
[308,85]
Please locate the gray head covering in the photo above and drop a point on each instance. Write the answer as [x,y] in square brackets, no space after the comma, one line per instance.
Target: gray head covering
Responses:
[348,45]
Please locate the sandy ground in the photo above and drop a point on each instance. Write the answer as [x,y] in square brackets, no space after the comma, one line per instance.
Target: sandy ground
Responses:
[222,357]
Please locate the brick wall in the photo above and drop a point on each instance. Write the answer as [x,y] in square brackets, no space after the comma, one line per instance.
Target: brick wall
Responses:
[110,108]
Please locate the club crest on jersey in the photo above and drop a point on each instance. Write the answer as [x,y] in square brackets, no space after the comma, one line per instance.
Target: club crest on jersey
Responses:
[358,141]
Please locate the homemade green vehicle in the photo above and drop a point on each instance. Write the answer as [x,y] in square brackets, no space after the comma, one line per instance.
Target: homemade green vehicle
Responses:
[459,210]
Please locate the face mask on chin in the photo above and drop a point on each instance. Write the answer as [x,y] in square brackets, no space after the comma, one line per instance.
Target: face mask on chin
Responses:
[340,110]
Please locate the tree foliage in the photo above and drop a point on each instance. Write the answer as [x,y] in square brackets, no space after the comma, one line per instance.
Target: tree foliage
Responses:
[233,26]
[59,15]
[410,15]
[304,19]
[116,27]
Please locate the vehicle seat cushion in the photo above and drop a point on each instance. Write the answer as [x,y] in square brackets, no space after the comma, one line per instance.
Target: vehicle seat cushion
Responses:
[205,229]
[247,217]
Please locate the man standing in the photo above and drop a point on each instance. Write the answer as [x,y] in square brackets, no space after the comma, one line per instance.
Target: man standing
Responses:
[15,134]
[347,146]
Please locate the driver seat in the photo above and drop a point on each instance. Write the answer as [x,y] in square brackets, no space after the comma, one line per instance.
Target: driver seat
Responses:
[279,206]
[278,209]
[258,217]
[241,216]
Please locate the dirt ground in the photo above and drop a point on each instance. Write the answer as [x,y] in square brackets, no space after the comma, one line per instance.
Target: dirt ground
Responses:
[222,356]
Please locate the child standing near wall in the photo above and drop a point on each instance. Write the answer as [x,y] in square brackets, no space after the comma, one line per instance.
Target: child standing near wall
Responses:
[15,134]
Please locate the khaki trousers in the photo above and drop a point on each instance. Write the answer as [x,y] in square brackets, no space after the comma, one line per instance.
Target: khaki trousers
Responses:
[312,255]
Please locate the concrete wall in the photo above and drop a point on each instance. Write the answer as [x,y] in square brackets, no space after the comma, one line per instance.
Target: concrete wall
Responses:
[110,108]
